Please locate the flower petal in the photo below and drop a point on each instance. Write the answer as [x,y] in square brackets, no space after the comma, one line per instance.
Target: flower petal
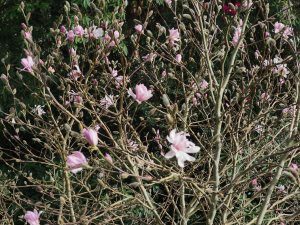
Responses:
[169,154]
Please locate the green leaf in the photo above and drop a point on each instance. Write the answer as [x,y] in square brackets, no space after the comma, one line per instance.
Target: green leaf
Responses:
[86,3]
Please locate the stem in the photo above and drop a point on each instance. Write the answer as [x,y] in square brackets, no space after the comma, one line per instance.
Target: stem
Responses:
[217,133]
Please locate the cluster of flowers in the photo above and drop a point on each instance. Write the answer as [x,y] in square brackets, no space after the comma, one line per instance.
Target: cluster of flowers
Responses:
[76,161]
[180,147]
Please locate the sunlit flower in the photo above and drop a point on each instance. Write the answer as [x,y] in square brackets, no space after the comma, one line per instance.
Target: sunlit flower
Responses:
[90,135]
[32,217]
[97,33]
[174,36]
[281,188]
[27,63]
[76,161]
[79,31]
[278,27]
[70,36]
[38,109]
[178,58]
[138,28]
[141,93]
[180,146]
[281,70]
[288,32]
[75,74]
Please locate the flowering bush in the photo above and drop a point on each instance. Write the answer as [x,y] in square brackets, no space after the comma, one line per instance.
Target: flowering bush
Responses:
[117,99]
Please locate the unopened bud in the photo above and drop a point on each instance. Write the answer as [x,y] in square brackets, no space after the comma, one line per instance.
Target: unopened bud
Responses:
[170,119]
[108,158]
[124,175]
[166,100]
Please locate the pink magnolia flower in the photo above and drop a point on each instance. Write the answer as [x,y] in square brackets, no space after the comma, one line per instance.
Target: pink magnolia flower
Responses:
[281,81]
[237,34]
[264,97]
[259,128]
[72,52]
[132,145]
[75,74]
[203,84]
[116,34]
[63,29]
[178,58]
[254,182]
[79,31]
[180,146]
[289,111]
[120,81]
[195,101]
[294,167]
[90,135]
[174,36]
[27,63]
[114,72]
[32,217]
[168,2]
[267,34]
[138,28]
[107,38]
[288,32]
[278,27]
[257,54]
[280,69]
[27,35]
[108,158]
[141,93]
[51,69]
[149,57]
[76,161]
[107,101]
[281,188]
[75,97]
[94,32]
[70,36]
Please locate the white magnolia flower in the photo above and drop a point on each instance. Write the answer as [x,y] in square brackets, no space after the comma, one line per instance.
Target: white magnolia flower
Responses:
[180,147]
[38,109]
